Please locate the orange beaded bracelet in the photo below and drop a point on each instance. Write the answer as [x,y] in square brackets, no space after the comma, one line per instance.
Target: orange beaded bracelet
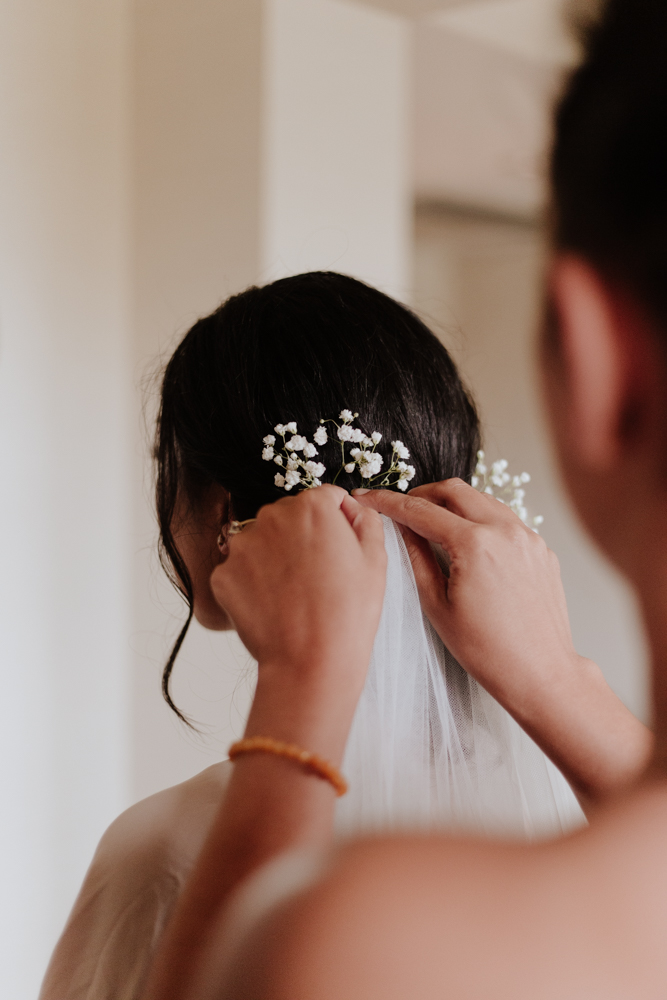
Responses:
[309,761]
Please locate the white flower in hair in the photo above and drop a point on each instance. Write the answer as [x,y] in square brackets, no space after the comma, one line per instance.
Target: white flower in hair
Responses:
[304,473]
[345,433]
[504,487]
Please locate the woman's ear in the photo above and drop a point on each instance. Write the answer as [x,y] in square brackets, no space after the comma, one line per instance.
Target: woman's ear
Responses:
[593,347]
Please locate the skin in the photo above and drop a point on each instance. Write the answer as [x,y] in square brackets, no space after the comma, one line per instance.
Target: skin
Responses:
[435,916]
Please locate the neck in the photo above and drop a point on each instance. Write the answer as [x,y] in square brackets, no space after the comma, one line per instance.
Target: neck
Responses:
[652,590]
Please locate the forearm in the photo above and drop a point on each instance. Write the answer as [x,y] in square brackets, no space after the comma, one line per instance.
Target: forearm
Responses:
[271,805]
[575,717]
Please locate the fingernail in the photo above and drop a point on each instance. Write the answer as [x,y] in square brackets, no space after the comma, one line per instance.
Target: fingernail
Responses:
[359,492]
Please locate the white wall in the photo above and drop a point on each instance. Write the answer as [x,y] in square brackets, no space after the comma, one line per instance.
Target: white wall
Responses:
[64,438]
[337,191]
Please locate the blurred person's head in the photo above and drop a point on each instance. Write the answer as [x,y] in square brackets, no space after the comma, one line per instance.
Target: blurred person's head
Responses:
[606,333]
[300,349]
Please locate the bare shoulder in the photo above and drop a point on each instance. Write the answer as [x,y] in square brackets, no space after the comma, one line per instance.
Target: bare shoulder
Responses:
[582,917]
[175,819]
[130,889]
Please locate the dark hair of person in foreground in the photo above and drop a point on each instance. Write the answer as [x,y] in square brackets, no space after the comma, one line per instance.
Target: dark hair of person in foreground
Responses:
[300,349]
[609,161]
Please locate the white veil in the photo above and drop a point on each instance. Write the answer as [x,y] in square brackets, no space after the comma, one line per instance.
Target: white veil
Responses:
[430,748]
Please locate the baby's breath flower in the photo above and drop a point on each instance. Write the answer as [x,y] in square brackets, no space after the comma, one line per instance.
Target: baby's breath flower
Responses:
[400,449]
[300,471]
[510,491]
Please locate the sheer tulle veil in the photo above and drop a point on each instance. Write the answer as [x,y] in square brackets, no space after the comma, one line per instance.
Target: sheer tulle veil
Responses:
[429,748]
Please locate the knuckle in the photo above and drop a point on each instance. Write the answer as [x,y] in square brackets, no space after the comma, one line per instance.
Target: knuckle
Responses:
[416,504]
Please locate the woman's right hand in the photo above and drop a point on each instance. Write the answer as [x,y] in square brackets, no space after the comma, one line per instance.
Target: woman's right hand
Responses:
[502,613]
[304,587]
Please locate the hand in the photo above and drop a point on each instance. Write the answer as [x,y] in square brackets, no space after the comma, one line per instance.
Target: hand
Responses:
[502,613]
[502,610]
[304,586]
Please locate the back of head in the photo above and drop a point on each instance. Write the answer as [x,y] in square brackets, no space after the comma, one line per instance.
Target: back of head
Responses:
[609,164]
[302,349]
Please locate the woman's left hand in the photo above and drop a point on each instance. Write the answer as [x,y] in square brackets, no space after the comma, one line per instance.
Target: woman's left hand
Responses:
[502,613]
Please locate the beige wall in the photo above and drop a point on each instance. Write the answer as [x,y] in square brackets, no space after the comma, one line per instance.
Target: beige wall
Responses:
[477,278]
[65,439]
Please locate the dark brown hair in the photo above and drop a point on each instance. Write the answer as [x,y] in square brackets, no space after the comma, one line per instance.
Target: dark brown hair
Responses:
[609,162]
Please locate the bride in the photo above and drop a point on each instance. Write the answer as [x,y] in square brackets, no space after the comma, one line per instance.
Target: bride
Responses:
[298,372]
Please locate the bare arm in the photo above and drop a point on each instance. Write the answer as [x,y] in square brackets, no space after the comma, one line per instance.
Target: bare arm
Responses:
[304,587]
[502,613]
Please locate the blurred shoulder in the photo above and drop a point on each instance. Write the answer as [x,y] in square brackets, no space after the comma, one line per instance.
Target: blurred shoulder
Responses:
[582,916]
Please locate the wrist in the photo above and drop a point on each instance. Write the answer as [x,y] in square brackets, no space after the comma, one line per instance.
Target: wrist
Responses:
[311,708]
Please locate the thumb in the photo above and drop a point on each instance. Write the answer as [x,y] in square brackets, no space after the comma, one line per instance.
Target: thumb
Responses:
[432,583]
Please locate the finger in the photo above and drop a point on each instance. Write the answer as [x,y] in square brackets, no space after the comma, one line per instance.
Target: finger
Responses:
[367,526]
[428,519]
[431,581]
[466,501]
